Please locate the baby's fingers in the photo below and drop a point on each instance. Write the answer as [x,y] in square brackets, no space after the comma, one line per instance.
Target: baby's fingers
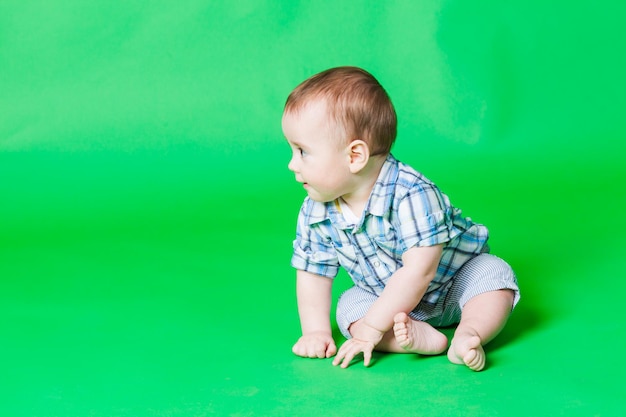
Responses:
[340,356]
[331,350]
[299,349]
[351,349]
[347,352]
[367,355]
[308,348]
[317,350]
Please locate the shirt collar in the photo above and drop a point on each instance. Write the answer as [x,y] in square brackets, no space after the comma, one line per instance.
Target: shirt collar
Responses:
[382,194]
[378,204]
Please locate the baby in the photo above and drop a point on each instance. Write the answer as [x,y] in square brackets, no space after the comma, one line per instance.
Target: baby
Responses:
[415,261]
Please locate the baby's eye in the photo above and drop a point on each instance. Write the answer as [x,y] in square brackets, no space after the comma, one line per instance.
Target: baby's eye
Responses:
[302,152]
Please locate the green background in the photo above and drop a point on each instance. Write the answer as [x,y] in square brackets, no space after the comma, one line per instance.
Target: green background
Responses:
[147,213]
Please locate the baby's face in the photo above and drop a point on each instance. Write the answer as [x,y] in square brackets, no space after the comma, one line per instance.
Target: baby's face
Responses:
[319,160]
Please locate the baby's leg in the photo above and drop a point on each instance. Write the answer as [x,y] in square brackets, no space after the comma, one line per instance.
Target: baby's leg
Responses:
[414,336]
[482,318]
[409,336]
[417,337]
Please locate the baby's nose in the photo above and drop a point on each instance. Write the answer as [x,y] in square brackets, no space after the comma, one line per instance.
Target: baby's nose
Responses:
[291,165]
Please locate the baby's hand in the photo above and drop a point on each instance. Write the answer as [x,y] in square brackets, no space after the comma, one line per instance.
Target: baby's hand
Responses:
[364,340]
[315,345]
[352,348]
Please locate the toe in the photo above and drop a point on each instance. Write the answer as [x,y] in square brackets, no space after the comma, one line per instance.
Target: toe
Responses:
[400,318]
[474,360]
[470,357]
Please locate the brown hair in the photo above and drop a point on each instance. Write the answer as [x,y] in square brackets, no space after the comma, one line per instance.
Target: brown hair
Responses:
[356,102]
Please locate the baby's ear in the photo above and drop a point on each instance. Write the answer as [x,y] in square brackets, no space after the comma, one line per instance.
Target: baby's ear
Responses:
[359,154]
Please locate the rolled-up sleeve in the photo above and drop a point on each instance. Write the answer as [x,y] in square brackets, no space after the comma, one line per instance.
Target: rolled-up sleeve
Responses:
[312,252]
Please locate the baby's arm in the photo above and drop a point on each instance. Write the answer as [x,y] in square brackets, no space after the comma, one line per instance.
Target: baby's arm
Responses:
[314,299]
[403,292]
[405,288]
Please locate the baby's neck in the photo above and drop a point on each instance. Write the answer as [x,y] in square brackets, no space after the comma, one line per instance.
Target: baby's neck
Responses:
[364,184]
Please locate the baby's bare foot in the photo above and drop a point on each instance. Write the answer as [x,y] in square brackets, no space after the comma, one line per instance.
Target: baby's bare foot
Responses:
[466,349]
[418,336]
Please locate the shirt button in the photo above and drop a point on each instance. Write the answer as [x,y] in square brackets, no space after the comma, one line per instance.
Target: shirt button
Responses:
[376,264]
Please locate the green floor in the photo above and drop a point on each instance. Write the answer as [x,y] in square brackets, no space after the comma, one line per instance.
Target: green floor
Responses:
[147,213]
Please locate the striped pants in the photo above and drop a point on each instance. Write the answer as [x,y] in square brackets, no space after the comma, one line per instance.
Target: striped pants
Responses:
[480,274]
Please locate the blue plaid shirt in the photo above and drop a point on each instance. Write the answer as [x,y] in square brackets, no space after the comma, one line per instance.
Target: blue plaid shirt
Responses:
[404,210]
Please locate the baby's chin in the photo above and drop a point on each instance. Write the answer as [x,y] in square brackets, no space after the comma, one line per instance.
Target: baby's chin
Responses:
[315,196]
[320,199]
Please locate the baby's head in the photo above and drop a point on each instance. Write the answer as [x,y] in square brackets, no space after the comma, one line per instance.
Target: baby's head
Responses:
[357,106]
